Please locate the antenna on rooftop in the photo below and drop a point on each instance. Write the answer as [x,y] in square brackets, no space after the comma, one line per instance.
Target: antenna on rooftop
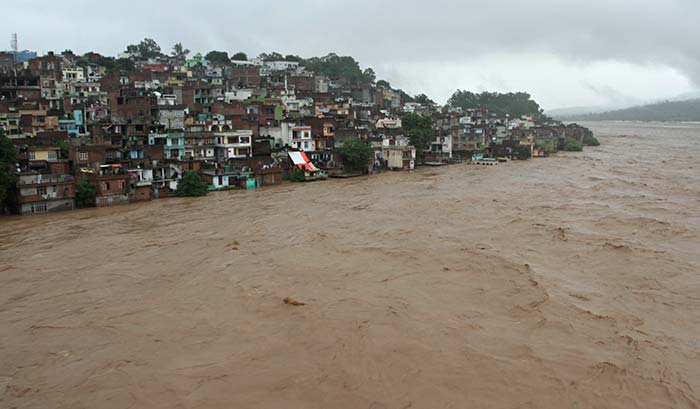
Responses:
[13,43]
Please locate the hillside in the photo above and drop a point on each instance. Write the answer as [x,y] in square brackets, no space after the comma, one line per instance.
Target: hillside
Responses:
[688,110]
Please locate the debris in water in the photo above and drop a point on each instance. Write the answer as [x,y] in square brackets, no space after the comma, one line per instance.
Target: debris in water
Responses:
[292,301]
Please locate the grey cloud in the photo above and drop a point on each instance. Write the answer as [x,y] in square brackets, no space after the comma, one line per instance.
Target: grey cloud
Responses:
[381,32]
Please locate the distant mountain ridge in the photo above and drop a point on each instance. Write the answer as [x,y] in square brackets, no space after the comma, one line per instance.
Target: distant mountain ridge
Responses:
[666,111]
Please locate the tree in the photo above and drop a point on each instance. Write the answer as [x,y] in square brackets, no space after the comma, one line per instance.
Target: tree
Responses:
[148,48]
[64,148]
[404,96]
[296,175]
[419,130]
[293,58]
[337,67]
[384,83]
[220,57]
[191,185]
[121,65]
[356,155]
[85,193]
[273,56]
[239,56]
[423,99]
[369,75]
[8,166]
[180,52]
[514,104]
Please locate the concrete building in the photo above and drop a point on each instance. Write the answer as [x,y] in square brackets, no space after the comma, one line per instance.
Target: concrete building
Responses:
[43,193]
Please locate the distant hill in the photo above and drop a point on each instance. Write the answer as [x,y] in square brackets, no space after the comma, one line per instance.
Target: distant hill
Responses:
[667,111]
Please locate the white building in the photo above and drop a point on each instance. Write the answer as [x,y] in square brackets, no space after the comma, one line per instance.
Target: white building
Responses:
[281,65]
[73,74]
[301,138]
[233,144]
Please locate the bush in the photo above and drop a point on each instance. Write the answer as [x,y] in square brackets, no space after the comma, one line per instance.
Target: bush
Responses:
[296,175]
[573,146]
[590,140]
[85,193]
[546,146]
[191,185]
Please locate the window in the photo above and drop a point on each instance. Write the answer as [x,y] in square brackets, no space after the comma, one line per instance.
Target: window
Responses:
[32,156]
[39,208]
[41,190]
[83,156]
[306,145]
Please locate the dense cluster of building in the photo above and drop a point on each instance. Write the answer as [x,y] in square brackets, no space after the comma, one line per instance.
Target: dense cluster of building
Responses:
[246,124]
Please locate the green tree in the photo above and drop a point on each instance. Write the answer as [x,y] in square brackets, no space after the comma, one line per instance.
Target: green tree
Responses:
[220,57]
[296,175]
[369,75]
[356,155]
[148,48]
[384,83]
[179,52]
[273,56]
[514,104]
[119,65]
[64,148]
[337,67]
[191,185]
[85,193]
[240,56]
[291,57]
[419,130]
[8,167]
[573,146]
[423,99]
[404,96]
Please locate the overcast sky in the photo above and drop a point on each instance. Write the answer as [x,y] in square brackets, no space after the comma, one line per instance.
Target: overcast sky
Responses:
[564,52]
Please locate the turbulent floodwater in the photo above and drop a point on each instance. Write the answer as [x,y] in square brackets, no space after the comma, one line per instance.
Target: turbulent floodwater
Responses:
[571,281]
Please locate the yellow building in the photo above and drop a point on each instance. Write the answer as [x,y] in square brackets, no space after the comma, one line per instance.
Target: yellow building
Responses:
[48,154]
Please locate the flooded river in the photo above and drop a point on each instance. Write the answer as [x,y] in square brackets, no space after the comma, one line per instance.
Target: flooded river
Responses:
[571,281]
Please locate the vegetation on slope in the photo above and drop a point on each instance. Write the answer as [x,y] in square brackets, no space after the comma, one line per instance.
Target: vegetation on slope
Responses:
[666,111]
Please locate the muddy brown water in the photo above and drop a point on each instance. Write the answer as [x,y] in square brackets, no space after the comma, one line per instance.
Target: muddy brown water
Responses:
[571,281]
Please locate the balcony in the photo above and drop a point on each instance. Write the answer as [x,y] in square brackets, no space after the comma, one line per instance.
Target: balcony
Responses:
[41,180]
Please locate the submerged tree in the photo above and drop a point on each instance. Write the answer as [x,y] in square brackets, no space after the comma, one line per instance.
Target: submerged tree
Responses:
[85,193]
[356,155]
[191,185]
[8,166]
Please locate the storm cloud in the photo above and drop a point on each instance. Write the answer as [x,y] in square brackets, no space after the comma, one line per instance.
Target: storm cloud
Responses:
[570,52]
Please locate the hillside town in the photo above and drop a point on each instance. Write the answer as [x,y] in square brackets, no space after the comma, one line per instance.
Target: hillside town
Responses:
[91,130]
